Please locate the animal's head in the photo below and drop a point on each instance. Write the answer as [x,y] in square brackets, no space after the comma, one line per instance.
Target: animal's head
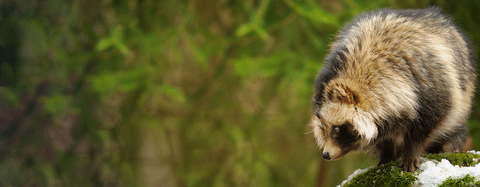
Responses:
[339,124]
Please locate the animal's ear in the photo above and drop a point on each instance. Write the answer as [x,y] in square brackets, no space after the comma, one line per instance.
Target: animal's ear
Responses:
[343,94]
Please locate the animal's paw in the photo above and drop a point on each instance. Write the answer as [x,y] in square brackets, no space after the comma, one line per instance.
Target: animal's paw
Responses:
[410,163]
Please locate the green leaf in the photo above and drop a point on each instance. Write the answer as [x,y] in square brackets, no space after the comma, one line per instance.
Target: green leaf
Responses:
[129,80]
[199,54]
[260,66]
[262,173]
[11,96]
[56,104]
[173,93]
[102,137]
[122,48]
[103,44]
[262,33]
[46,172]
[105,82]
[115,39]
[315,14]
[255,23]
[117,32]
[244,29]
[370,5]
[128,173]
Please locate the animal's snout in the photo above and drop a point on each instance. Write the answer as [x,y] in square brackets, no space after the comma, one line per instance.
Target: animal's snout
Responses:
[326,156]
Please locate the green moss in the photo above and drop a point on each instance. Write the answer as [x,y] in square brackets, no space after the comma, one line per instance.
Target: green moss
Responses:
[386,175]
[391,175]
[465,181]
[461,159]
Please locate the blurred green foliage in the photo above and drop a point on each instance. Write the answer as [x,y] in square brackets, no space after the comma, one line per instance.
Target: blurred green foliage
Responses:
[174,93]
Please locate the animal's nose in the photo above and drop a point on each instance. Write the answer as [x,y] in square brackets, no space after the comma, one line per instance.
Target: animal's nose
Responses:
[326,156]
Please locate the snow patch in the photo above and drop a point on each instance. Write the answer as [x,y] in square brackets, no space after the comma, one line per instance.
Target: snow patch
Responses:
[434,174]
[355,173]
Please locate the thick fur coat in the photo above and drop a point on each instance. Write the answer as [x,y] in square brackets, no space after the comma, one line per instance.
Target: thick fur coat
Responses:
[397,83]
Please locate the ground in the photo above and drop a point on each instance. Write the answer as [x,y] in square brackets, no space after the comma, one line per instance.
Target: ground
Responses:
[460,169]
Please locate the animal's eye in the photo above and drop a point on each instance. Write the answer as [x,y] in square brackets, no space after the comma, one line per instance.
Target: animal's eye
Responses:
[336,131]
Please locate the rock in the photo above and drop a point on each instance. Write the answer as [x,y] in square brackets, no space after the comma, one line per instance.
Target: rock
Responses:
[435,170]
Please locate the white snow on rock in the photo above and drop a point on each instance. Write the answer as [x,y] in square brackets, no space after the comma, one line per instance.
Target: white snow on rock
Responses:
[433,173]
[355,173]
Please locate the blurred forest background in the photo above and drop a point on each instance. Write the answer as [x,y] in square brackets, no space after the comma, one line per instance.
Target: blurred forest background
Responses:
[174,92]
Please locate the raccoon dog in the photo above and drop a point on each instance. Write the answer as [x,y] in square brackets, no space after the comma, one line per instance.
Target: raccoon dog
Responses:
[397,83]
